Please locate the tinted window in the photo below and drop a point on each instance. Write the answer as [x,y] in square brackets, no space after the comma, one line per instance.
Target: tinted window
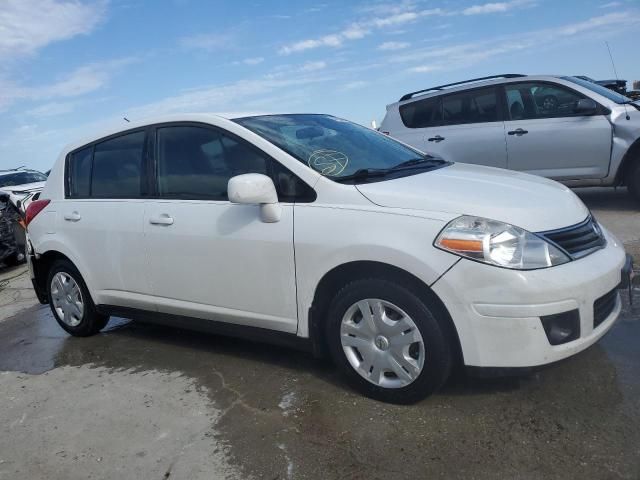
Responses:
[80,172]
[476,106]
[540,100]
[197,162]
[117,166]
[422,113]
[289,187]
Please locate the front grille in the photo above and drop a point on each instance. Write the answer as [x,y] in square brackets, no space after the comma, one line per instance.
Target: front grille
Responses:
[603,307]
[578,240]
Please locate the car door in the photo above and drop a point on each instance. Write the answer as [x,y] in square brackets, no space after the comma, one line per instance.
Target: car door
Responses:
[100,220]
[545,136]
[209,258]
[472,130]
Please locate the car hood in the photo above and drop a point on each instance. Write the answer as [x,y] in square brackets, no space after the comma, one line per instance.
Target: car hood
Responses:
[533,203]
[27,187]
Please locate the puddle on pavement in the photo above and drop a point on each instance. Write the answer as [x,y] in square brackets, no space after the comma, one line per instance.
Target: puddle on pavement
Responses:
[282,414]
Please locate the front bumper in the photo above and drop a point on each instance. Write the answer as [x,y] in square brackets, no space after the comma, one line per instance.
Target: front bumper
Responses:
[497,311]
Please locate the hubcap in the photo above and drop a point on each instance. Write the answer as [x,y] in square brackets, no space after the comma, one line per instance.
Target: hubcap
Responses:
[67,299]
[382,343]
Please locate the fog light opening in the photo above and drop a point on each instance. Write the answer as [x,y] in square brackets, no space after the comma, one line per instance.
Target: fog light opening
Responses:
[562,327]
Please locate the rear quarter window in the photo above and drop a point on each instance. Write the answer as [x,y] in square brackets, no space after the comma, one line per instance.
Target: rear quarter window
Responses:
[80,172]
[422,113]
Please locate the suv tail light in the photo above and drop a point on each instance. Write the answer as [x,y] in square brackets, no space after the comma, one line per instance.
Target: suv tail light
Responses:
[34,209]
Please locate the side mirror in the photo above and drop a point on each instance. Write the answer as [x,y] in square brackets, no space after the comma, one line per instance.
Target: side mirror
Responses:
[586,106]
[256,189]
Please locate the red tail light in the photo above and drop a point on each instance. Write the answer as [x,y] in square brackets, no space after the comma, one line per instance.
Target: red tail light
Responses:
[34,209]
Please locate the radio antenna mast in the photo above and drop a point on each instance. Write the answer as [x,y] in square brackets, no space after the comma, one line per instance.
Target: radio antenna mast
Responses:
[615,72]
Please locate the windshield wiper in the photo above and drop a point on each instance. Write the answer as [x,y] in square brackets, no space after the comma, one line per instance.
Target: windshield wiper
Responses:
[418,162]
[364,173]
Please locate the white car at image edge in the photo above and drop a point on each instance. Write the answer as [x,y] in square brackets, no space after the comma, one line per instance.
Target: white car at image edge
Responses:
[313,231]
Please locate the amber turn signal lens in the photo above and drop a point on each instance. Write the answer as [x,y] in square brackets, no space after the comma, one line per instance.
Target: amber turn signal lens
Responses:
[460,245]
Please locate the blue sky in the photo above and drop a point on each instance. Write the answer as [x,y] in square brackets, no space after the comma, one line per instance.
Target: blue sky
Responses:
[70,67]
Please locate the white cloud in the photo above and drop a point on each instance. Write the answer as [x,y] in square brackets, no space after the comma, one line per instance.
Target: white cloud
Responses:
[313,66]
[51,109]
[497,7]
[235,96]
[359,30]
[393,46]
[253,60]
[425,69]
[28,25]
[82,80]
[206,41]
[466,54]
[355,85]
[611,5]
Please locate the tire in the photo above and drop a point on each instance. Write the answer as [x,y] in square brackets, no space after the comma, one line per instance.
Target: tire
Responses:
[426,364]
[633,180]
[13,260]
[66,289]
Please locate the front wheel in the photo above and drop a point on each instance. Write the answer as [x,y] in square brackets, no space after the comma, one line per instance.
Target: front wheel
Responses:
[70,301]
[387,341]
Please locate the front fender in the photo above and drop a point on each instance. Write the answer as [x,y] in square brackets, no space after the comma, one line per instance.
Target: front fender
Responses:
[325,240]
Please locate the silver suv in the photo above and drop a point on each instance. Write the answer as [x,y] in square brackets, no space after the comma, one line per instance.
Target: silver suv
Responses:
[560,127]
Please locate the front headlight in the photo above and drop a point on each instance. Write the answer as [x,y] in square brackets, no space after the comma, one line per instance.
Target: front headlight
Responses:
[498,244]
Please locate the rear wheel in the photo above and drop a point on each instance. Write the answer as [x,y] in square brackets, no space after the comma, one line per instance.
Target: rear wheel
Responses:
[633,180]
[387,342]
[70,301]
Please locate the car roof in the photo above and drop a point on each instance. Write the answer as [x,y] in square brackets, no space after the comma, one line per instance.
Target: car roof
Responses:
[126,125]
[470,84]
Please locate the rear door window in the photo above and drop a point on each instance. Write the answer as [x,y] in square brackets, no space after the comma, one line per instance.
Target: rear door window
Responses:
[474,106]
[117,167]
[422,113]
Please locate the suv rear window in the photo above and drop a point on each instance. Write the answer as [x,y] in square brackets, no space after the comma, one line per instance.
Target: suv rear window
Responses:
[422,113]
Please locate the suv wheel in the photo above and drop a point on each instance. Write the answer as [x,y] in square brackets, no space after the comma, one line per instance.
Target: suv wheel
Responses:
[71,303]
[387,342]
[633,180]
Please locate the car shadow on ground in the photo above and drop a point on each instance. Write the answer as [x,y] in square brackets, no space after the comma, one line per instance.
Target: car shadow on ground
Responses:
[608,199]
[164,347]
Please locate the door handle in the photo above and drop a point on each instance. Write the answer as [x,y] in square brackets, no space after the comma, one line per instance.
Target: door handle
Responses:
[519,132]
[72,217]
[436,139]
[163,219]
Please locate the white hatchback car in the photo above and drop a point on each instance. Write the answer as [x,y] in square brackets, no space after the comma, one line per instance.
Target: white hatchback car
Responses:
[311,230]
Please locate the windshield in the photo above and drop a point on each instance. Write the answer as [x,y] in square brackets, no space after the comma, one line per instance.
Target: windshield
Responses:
[604,91]
[336,148]
[21,178]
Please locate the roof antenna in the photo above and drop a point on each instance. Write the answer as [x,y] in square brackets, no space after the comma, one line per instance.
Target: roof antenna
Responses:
[615,72]
[126,119]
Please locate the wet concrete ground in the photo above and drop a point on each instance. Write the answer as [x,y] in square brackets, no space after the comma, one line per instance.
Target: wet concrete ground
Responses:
[153,402]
